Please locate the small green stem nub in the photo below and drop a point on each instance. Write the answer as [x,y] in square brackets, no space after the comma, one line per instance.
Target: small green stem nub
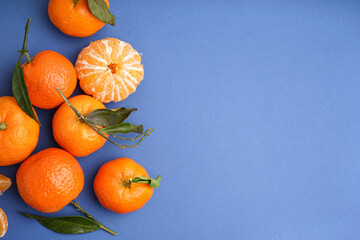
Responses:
[3,126]
[24,50]
[80,209]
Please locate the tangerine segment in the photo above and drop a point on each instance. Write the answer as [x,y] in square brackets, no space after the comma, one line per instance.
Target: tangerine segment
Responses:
[114,189]
[109,70]
[73,134]
[5,183]
[19,133]
[3,223]
[48,71]
[74,19]
[49,180]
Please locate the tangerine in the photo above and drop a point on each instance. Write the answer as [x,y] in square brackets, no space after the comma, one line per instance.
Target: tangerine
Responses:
[19,133]
[47,71]
[74,19]
[113,187]
[49,180]
[109,70]
[71,133]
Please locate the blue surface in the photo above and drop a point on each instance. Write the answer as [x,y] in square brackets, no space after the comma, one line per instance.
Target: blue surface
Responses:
[256,110]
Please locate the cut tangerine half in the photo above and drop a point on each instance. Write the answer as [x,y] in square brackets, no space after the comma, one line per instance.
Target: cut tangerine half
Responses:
[109,70]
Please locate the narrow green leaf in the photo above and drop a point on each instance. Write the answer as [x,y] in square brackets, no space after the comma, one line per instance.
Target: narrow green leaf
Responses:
[109,117]
[21,93]
[66,225]
[100,10]
[122,128]
[75,2]
[154,183]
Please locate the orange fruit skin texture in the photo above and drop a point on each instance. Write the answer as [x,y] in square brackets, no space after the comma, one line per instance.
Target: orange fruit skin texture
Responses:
[71,133]
[111,191]
[49,70]
[74,20]
[20,137]
[109,70]
[49,180]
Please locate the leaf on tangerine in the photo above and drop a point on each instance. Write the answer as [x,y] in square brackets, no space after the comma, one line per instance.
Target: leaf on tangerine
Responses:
[100,10]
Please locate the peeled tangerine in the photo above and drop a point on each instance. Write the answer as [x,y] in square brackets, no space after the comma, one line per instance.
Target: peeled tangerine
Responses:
[109,70]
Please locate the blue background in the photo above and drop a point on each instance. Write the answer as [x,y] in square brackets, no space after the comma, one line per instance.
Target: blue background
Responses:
[256,110]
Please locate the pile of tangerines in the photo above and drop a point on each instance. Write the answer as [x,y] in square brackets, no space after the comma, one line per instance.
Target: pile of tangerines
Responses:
[108,70]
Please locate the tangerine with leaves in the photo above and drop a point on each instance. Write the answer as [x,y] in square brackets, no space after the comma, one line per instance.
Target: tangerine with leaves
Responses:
[72,133]
[19,133]
[49,180]
[74,17]
[109,70]
[124,186]
[106,122]
[44,73]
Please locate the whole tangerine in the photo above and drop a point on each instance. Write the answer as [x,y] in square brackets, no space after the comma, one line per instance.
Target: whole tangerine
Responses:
[114,189]
[71,133]
[74,19]
[19,133]
[49,180]
[47,71]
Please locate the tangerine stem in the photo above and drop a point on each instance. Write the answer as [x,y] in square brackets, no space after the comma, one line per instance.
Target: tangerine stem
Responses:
[24,50]
[3,126]
[141,136]
[80,209]
[132,139]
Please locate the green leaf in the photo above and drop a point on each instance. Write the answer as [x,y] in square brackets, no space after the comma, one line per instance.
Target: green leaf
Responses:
[100,10]
[122,128]
[21,93]
[66,225]
[154,183]
[109,117]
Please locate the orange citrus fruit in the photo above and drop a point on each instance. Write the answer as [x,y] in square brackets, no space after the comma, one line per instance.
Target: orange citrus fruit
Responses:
[109,70]
[114,189]
[3,223]
[49,180]
[73,134]
[47,71]
[19,133]
[74,19]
